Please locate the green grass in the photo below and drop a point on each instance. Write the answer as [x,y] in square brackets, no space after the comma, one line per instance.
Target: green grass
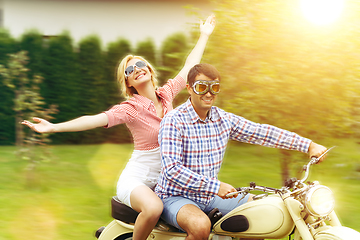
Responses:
[69,197]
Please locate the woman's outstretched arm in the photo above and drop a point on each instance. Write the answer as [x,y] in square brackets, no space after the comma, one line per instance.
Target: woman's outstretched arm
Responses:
[76,125]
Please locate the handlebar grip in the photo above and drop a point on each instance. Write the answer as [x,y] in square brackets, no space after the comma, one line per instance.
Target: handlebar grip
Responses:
[314,160]
[231,194]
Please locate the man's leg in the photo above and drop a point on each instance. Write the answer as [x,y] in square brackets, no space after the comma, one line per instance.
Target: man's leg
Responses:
[186,215]
[194,222]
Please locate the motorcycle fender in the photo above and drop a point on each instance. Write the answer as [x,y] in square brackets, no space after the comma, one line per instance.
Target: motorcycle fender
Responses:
[113,230]
[337,233]
[122,231]
[263,218]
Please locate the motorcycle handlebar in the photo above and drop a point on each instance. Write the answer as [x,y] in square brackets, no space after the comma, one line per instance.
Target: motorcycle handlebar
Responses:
[254,187]
[314,160]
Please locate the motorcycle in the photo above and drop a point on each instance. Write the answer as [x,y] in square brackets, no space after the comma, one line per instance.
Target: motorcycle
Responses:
[298,210]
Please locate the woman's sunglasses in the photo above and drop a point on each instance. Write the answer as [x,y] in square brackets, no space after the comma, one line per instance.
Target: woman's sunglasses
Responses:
[130,69]
[202,87]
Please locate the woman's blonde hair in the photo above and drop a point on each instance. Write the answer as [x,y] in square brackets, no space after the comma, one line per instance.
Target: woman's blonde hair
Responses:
[128,92]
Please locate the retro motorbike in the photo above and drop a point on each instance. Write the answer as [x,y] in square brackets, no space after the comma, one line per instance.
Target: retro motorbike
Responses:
[298,210]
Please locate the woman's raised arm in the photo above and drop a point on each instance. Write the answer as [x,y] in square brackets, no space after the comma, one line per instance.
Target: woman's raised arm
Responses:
[195,55]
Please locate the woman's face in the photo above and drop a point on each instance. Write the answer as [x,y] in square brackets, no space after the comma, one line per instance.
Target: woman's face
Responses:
[139,75]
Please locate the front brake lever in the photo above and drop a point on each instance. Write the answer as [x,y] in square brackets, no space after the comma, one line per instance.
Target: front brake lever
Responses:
[239,190]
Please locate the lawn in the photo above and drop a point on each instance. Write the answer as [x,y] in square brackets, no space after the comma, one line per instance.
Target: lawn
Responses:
[68,197]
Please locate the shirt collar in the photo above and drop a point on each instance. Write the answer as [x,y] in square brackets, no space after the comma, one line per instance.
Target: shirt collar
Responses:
[194,117]
[144,100]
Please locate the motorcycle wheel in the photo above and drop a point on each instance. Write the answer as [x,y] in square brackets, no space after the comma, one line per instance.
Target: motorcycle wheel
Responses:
[338,233]
[126,236]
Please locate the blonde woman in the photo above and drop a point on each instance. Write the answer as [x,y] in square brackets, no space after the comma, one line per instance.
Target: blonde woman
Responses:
[142,112]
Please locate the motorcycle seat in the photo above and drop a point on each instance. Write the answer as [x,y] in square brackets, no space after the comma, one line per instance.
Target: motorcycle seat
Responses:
[122,212]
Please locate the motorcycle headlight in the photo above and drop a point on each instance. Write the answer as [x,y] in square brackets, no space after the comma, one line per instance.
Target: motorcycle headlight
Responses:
[320,201]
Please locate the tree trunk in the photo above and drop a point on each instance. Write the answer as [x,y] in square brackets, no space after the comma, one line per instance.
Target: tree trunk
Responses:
[19,131]
[285,158]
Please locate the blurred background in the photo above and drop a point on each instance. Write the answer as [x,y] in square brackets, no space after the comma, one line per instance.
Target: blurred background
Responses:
[290,63]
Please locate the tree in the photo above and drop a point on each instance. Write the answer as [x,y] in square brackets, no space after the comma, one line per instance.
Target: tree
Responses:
[60,87]
[278,69]
[147,50]
[173,52]
[7,116]
[27,103]
[32,42]
[92,86]
[116,51]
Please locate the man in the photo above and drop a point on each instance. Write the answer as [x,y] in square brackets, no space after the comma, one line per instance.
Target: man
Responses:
[193,138]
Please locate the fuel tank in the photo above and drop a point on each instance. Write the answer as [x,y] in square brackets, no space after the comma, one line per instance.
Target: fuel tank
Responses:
[263,218]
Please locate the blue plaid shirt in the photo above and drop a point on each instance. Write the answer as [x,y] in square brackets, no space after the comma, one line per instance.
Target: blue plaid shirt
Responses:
[192,149]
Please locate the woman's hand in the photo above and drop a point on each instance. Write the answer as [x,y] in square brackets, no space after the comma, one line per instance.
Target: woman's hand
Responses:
[78,124]
[208,27]
[42,126]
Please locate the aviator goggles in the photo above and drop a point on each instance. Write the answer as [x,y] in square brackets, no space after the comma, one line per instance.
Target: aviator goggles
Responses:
[202,87]
[130,69]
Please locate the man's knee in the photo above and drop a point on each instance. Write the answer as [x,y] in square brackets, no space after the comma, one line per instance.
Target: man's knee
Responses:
[201,229]
[194,221]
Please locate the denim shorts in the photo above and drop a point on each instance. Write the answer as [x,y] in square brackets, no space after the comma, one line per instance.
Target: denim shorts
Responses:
[173,204]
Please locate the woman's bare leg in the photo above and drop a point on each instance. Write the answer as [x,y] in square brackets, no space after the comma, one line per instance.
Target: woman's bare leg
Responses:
[149,206]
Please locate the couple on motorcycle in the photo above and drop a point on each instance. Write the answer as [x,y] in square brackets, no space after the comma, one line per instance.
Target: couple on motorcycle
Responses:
[192,142]
[193,139]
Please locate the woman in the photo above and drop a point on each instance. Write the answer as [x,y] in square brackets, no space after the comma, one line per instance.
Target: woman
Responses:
[142,112]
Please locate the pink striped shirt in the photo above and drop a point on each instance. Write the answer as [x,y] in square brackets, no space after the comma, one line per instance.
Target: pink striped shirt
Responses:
[139,114]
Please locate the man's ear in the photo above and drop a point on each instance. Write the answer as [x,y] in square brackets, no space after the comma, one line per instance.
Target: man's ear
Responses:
[188,88]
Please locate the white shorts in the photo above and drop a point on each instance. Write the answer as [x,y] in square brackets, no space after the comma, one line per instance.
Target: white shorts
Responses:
[143,168]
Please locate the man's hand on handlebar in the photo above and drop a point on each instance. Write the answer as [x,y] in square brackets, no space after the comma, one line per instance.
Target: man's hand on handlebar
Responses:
[226,189]
[315,150]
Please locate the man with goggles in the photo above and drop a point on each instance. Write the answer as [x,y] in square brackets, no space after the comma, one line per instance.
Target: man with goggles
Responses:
[193,139]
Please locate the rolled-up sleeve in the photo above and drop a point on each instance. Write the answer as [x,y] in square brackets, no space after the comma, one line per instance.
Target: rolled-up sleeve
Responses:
[118,114]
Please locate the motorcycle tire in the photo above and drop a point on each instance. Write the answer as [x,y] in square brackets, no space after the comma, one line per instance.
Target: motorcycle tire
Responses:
[338,233]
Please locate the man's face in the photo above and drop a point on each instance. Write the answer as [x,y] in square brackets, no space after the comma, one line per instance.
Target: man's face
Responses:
[201,103]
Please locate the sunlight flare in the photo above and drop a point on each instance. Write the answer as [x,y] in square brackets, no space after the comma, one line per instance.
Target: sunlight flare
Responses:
[322,12]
